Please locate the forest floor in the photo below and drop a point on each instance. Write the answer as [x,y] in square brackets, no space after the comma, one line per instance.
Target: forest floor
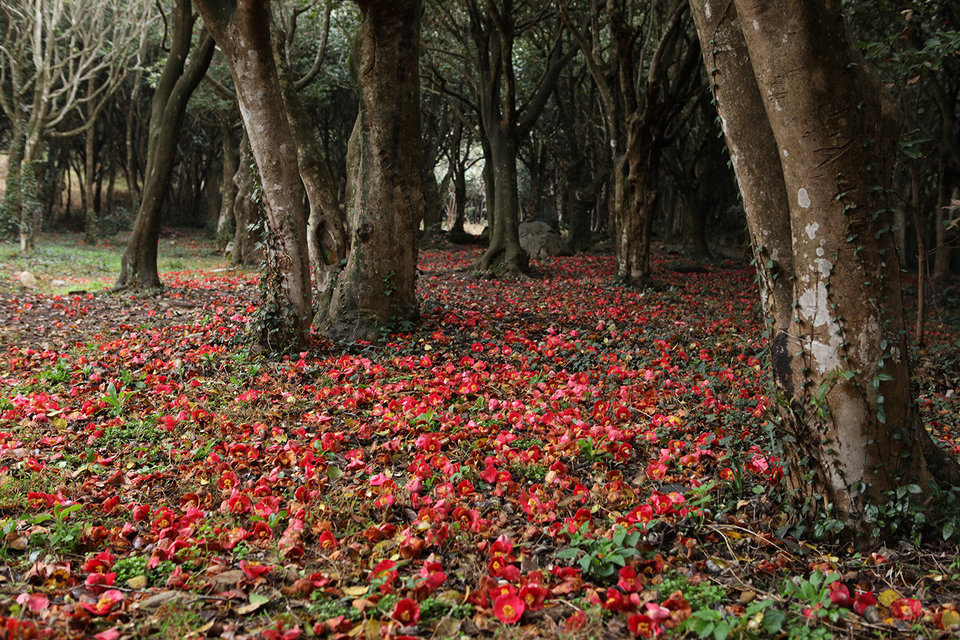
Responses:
[552,457]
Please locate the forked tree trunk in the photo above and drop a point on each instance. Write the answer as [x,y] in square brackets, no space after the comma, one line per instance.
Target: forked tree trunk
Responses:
[326,224]
[242,32]
[138,266]
[812,136]
[376,289]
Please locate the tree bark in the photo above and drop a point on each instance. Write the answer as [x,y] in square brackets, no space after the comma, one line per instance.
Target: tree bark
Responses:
[811,136]
[89,138]
[376,289]
[138,266]
[228,188]
[637,109]
[245,237]
[242,32]
[326,224]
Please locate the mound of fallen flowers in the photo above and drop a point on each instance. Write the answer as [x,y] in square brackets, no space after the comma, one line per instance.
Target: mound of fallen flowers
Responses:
[557,455]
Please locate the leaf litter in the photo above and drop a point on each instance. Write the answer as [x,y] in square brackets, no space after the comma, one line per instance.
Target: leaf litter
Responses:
[549,457]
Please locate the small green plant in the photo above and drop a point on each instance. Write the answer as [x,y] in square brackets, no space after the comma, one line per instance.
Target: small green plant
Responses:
[601,558]
[530,471]
[137,431]
[132,566]
[433,609]
[759,620]
[325,607]
[57,373]
[117,401]
[814,594]
[700,595]
[62,535]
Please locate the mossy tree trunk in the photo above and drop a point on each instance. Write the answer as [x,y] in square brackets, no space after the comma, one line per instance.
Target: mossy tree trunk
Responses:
[812,136]
[376,290]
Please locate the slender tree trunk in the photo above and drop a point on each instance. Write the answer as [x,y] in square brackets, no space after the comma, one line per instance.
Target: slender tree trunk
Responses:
[138,266]
[10,207]
[839,356]
[459,200]
[326,224]
[245,208]
[90,221]
[376,289]
[228,188]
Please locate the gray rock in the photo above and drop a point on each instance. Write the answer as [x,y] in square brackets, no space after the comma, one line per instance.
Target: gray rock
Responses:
[164,597]
[540,240]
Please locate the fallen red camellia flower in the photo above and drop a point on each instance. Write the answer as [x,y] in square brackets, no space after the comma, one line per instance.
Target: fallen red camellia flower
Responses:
[508,608]
[406,612]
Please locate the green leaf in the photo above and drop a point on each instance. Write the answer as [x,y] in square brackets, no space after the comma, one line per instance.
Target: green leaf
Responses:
[619,534]
[773,621]
[948,530]
[568,553]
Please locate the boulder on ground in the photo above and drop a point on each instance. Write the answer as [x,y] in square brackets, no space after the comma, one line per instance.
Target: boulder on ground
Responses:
[27,279]
[540,240]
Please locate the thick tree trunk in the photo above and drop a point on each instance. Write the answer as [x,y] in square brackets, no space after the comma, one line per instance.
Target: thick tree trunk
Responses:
[138,266]
[376,290]
[820,219]
[242,32]
[634,219]
[504,253]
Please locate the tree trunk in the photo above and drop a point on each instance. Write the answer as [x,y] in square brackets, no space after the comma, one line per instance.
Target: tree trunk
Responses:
[242,32]
[10,207]
[228,188]
[850,436]
[138,266]
[504,253]
[326,224]
[459,199]
[634,219]
[90,221]
[246,239]
[376,290]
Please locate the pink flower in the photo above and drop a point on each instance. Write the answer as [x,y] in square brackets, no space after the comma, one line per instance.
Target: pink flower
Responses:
[34,602]
[253,570]
[642,626]
[103,606]
[628,580]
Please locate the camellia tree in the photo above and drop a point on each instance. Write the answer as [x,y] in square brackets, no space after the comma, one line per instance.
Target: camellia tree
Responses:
[376,287]
[811,135]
